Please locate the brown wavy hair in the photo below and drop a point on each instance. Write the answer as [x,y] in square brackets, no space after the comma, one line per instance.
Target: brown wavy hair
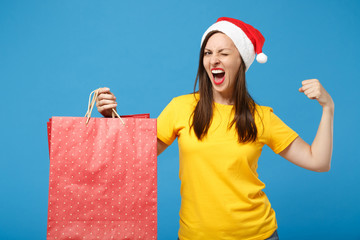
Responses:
[244,104]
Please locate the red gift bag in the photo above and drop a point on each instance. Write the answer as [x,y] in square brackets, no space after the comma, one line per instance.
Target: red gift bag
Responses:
[103,178]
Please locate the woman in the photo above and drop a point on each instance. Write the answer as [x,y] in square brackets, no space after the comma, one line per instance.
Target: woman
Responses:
[221,132]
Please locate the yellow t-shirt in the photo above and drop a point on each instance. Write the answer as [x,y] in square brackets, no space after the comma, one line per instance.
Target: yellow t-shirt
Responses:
[221,194]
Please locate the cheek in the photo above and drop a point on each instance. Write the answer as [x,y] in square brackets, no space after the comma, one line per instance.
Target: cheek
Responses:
[231,69]
[235,68]
[205,63]
[232,73]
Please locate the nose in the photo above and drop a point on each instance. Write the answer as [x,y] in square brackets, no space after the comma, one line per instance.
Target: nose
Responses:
[214,60]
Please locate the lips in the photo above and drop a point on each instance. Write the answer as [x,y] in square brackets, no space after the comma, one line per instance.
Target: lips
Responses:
[218,75]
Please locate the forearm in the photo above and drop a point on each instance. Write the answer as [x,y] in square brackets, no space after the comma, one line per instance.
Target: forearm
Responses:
[321,148]
[317,156]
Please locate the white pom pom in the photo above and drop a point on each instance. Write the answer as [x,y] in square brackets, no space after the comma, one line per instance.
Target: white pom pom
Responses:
[261,58]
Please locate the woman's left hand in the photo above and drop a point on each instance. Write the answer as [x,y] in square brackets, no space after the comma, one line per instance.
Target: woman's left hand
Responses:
[313,89]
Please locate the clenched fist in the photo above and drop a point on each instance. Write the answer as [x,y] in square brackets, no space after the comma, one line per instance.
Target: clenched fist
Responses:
[105,102]
[313,89]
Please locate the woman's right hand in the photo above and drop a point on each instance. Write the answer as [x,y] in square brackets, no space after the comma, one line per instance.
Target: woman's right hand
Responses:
[105,102]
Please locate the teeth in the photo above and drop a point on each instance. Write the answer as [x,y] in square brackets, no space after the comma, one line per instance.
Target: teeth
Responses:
[217,71]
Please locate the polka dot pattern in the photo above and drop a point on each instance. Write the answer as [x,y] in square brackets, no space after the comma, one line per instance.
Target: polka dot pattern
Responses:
[103,178]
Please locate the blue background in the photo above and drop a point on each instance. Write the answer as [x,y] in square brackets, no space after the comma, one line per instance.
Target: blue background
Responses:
[54,53]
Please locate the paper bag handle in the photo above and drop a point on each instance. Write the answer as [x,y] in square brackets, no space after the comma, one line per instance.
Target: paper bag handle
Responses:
[92,101]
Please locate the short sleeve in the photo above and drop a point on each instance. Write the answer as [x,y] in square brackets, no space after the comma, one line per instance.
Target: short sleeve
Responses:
[166,123]
[279,135]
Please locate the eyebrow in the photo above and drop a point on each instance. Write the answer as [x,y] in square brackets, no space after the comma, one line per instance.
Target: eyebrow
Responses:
[206,49]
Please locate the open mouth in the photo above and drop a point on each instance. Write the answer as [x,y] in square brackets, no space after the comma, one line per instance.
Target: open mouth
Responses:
[218,75]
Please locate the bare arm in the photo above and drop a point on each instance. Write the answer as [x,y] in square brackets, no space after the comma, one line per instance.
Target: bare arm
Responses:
[161,146]
[316,157]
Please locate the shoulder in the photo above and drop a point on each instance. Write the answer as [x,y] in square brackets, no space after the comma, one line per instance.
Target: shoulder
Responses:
[181,106]
[262,117]
[262,111]
[186,100]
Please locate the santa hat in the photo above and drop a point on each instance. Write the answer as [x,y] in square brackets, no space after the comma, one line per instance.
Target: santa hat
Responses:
[247,39]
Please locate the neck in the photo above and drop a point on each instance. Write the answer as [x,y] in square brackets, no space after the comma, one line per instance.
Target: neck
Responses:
[225,99]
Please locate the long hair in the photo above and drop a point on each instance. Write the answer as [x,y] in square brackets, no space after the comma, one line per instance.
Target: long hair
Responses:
[244,105]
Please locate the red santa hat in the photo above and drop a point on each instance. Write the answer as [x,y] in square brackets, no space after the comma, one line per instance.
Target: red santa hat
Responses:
[247,39]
